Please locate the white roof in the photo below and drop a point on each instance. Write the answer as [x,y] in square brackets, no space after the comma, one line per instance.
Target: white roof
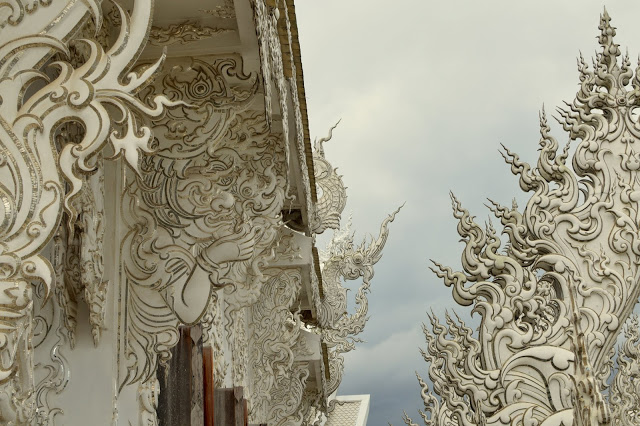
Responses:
[351,410]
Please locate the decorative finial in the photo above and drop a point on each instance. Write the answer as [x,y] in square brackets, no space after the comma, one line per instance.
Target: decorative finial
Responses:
[610,50]
[318,143]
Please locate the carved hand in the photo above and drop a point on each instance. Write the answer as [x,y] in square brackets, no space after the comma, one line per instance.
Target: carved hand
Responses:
[234,247]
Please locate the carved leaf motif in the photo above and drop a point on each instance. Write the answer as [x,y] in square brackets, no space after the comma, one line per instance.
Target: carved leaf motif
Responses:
[38,102]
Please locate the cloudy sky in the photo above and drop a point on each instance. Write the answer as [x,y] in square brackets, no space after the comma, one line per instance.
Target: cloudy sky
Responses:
[427,91]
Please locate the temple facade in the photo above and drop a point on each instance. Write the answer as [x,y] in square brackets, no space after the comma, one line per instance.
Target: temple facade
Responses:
[161,200]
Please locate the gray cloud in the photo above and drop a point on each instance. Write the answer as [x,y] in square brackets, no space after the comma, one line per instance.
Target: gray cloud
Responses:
[427,91]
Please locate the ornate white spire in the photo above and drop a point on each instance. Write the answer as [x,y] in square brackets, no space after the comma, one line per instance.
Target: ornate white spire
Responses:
[551,303]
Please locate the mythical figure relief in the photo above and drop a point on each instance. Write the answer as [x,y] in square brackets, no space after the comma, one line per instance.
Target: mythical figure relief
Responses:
[344,262]
[205,209]
[553,301]
[333,194]
[33,170]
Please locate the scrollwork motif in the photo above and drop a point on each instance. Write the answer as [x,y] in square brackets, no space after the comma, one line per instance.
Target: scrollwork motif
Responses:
[553,300]
[276,334]
[343,262]
[625,389]
[184,33]
[333,196]
[209,212]
[33,171]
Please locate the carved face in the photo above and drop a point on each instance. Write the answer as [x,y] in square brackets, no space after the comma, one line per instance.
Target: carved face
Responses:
[354,266]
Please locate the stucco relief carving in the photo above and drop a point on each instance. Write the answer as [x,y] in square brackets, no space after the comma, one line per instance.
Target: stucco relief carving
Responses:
[52,370]
[625,389]
[214,335]
[344,262]
[205,209]
[333,194]
[276,332]
[80,273]
[266,21]
[224,11]
[201,216]
[148,393]
[33,171]
[183,33]
[553,301]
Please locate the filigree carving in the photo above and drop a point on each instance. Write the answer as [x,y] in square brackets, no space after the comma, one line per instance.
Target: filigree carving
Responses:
[333,196]
[289,395]
[52,370]
[276,332]
[266,22]
[204,215]
[213,335]
[589,406]
[32,171]
[91,240]
[238,345]
[184,33]
[225,11]
[625,389]
[343,261]
[79,274]
[572,253]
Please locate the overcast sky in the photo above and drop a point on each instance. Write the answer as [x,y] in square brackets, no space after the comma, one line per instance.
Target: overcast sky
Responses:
[427,91]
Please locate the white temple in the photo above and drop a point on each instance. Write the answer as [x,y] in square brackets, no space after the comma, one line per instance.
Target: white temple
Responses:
[160,202]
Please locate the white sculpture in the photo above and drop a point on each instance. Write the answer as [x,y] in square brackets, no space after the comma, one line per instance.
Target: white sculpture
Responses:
[552,301]
[185,228]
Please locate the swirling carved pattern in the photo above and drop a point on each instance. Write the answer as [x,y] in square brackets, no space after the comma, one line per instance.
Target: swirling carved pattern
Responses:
[52,370]
[625,389]
[206,208]
[333,197]
[344,262]
[33,171]
[266,19]
[213,335]
[18,10]
[576,238]
[276,335]
[184,33]
[79,274]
